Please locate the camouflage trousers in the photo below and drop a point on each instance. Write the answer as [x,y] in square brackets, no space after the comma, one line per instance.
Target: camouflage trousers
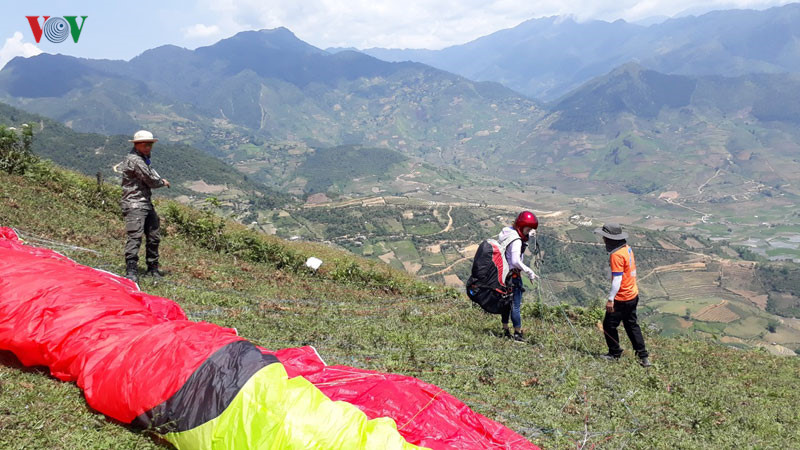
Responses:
[141,222]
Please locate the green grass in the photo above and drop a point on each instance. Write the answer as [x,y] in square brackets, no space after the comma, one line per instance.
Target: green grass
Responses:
[554,390]
[424,229]
[405,251]
[748,327]
[391,225]
[679,307]
[787,252]
[669,324]
[433,259]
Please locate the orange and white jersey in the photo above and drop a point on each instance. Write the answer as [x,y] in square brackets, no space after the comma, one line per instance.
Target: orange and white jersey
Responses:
[623,263]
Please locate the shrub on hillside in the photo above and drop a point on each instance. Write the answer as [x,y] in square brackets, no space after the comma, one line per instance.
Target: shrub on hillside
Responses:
[201,227]
[16,158]
[248,245]
[15,149]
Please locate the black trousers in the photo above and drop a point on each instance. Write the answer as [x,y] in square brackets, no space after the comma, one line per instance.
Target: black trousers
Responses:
[624,312]
[141,222]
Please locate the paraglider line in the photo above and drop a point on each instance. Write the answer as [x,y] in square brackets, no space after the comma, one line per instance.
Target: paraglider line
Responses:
[423,409]
[46,243]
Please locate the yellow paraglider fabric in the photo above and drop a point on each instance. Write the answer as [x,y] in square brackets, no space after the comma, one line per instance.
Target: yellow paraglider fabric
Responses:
[273,411]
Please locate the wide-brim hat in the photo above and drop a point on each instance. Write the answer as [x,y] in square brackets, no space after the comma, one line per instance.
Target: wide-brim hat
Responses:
[143,136]
[612,231]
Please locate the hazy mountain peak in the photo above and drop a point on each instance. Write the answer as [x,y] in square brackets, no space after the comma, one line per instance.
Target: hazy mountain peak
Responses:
[629,88]
[280,39]
[277,31]
[549,56]
[32,77]
[168,51]
[632,68]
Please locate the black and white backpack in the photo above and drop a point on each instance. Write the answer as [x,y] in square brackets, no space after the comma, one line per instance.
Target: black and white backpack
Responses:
[487,285]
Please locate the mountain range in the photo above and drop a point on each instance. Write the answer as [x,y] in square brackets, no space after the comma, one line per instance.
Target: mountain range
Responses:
[266,102]
[265,85]
[547,57]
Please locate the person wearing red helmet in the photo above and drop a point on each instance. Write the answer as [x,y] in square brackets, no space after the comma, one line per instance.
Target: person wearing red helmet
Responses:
[525,224]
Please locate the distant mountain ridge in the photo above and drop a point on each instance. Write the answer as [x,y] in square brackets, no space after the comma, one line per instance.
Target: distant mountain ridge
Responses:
[547,57]
[265,85]
[632,89]
[236,99]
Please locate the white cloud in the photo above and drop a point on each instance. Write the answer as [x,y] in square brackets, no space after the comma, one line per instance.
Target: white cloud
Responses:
[201,31]
[431,23]
[366,23]
[15,47]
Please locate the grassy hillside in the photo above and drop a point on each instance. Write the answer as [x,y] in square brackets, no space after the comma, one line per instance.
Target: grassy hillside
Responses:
[554,389]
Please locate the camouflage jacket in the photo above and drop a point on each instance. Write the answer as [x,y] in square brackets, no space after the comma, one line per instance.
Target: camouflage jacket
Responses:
[138,178]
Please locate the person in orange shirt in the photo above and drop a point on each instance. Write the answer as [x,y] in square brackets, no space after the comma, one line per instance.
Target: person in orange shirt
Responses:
[624,295]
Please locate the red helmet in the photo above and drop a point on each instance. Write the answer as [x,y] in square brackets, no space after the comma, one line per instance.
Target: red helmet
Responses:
[525,219]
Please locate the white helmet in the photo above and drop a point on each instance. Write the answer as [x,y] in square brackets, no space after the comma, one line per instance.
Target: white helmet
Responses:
[143,136]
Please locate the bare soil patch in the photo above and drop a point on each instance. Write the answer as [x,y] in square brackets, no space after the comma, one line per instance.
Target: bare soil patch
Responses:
[412,267]
[732,340]
[387,257]
[453,280]
[470,249]
[667,245]
[379,201]
[717,313]
[759,300]
[205,188]
[318,198]
[435,248]
[693,243]
[777,349]
[677,267]
[668,195]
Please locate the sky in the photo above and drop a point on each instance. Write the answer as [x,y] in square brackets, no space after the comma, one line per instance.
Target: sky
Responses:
[122,30]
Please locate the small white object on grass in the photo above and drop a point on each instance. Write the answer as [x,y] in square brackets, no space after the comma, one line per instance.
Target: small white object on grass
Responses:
[313,263]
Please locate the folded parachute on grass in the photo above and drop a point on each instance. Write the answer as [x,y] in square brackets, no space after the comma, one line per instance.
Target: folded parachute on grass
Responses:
[140,361]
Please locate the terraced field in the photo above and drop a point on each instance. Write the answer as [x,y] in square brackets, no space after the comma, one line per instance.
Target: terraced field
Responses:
[692,287]
[716,299]
[717,313]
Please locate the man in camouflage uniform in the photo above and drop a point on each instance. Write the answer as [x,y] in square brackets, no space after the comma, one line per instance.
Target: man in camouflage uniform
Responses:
[138,178]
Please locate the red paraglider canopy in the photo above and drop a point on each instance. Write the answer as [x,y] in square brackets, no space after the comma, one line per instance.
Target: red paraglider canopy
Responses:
[132,353]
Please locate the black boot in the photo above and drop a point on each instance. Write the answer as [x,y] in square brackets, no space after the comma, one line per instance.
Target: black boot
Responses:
[132,271]
[152,270]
